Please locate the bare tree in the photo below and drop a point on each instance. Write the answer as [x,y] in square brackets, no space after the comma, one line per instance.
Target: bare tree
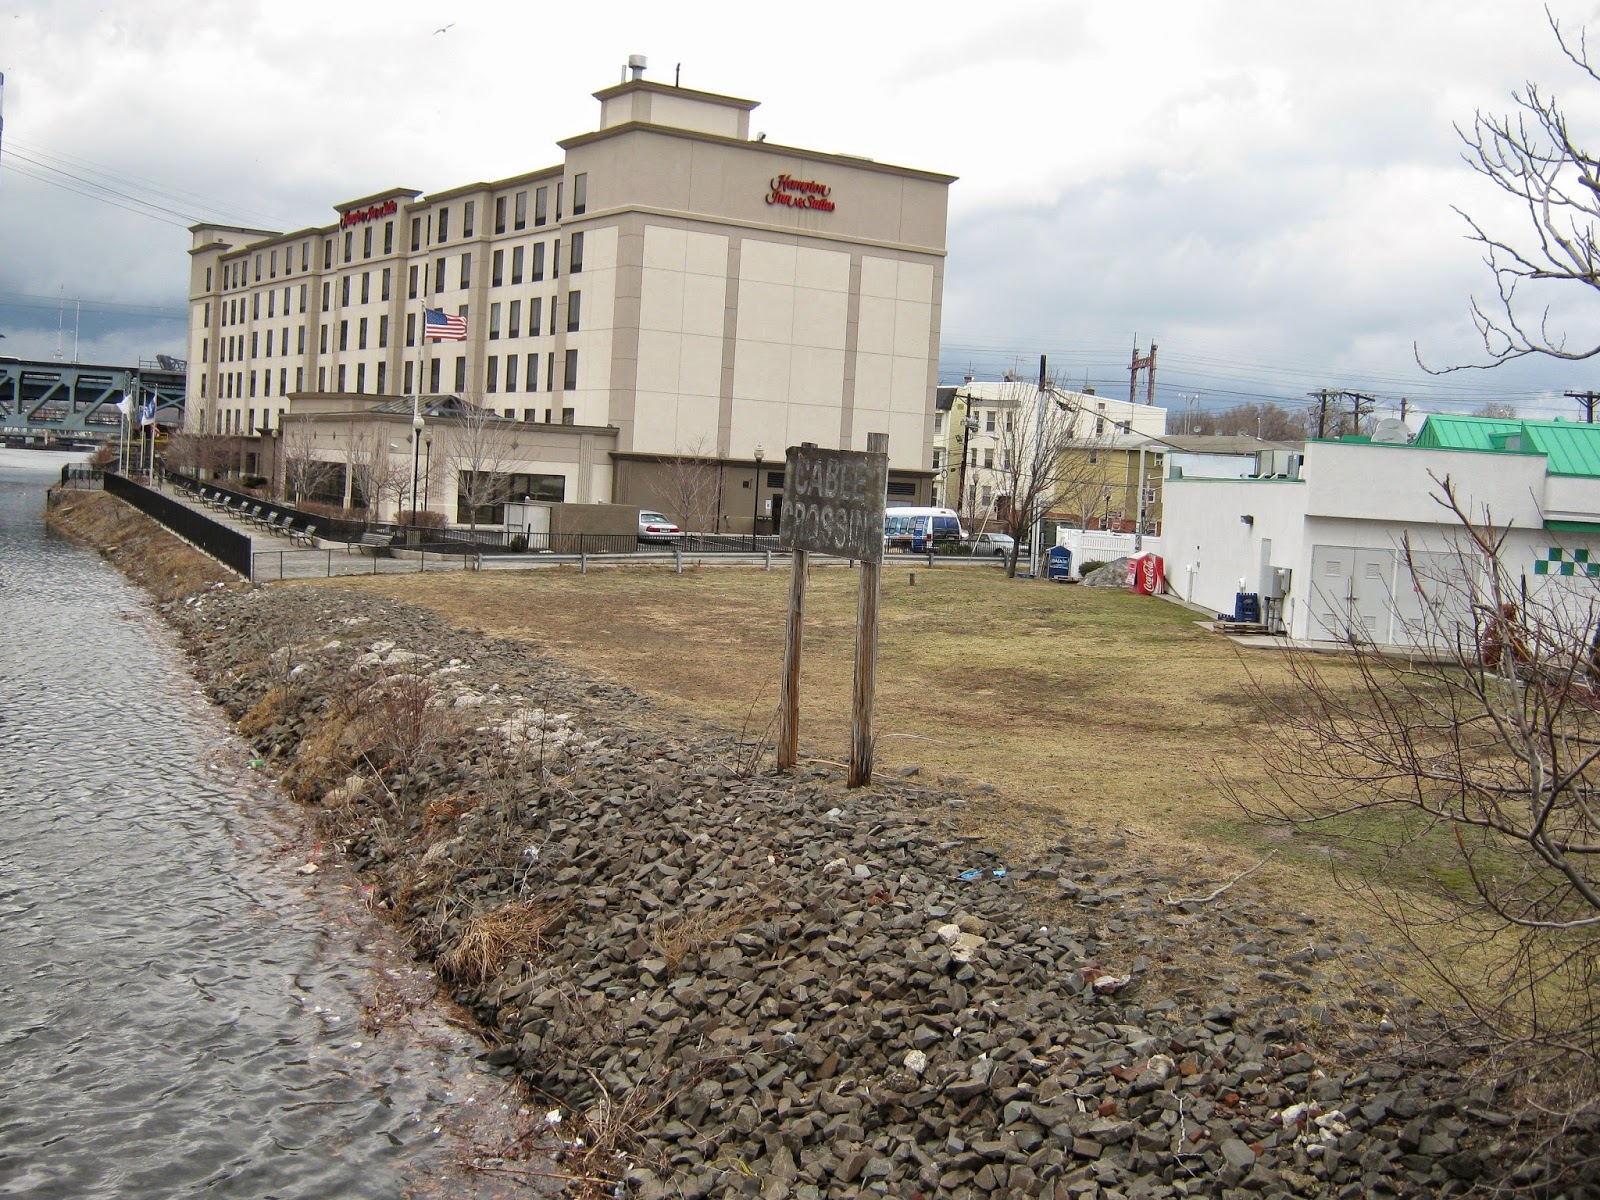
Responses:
[1270,422]
[375,473]
[1533,155]
[303,472]
[1459,788]
[689,487]
[1497,409]
[479,452]
[1048,455]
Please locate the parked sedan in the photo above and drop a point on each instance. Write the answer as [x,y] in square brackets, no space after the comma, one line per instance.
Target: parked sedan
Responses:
[654,527]
[997,544]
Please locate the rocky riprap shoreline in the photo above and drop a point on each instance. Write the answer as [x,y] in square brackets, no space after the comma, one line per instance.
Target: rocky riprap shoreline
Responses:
[730,983]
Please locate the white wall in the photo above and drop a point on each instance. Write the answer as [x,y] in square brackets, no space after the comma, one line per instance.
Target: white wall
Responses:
[1209,549]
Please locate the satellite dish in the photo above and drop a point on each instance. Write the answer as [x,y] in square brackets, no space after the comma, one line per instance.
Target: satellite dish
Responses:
[1391,429]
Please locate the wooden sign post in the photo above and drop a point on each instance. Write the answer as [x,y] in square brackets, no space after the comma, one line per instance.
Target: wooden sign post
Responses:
[833,503]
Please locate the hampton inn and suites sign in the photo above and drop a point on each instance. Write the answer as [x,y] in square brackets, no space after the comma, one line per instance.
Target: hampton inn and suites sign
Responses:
[799,193]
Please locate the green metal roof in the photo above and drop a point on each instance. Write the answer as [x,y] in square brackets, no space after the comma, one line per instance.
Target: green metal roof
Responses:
[1572,448]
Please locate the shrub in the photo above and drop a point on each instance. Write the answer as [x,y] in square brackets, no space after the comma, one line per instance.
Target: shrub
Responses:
[1090,564]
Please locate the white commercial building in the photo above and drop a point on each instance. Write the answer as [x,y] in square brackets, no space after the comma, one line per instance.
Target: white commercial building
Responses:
[675,286]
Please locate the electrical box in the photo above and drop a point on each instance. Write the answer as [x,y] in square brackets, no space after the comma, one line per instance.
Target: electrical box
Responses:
[1275,582]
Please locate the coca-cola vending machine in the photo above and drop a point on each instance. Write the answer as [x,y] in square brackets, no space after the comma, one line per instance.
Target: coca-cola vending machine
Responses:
[1147,574]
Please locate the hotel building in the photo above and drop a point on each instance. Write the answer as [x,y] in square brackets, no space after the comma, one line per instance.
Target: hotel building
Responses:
[673,288]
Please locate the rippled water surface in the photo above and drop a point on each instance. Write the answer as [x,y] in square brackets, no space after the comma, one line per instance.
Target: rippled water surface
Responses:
[180,1013]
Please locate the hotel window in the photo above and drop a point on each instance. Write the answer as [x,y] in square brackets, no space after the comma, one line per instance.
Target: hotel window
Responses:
[541,197]
[383,376]
[535,311]
[205,351]
[322,379]
[405,384]
[322,341]
[255,306]
[537,273]
[361,335]
[361,376]
[433,375]
[514,320]
[366,287]
[383,333]
[416,233]
[344,291]
[269,343]
[461,372]
[272,300]
[344,335]
[580,193]
[554,301]
[438,275]
[550,372]
[569,416]
[349,249]
[491,374]
[327,295]
[411,335]
[468,212]
[272,265]
[511,372]
[466,270]
[569,376]
[574,305]
[497,267]
[258,268]
[499,214]
[283,386]
[555,260]
[576,254]
[340,385]
[516,264]
[299,379]
[366,247]
[560,187]
[208,279]
[494,321]
[255,344]
[532,377]
[521,221]
[383,288]
[444,225]
[411,281]
[303,288]
[388,245]
[202,396]
[305,256]
[300,341]
[206,309]
[327,254]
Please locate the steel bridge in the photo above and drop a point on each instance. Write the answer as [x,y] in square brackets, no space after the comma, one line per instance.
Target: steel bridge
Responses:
[78,401]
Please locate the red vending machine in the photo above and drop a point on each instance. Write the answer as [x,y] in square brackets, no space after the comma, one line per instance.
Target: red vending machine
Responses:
[1147,574]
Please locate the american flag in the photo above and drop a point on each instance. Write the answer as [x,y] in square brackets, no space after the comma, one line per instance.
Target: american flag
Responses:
[440,326]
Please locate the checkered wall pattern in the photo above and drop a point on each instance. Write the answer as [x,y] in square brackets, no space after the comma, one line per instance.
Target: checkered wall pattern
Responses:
[1557,561]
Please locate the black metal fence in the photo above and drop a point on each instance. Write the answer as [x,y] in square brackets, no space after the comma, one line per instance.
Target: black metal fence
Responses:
[228,546]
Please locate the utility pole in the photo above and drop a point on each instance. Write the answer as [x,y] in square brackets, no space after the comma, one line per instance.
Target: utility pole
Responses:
[1588,400]
[1322,396]
[1147,363]
[1361,406]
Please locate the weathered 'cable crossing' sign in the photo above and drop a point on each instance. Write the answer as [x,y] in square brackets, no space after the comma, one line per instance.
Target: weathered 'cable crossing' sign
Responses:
[833,503]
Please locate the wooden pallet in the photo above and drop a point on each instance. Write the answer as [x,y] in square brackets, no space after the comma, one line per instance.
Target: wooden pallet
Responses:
[1237,627]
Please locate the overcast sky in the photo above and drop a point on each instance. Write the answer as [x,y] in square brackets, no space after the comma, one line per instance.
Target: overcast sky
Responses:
[1262,188]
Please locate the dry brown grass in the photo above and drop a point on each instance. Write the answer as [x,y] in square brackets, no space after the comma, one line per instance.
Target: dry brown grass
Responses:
[688,935]
[491,939]
[155,559]
[1077,706]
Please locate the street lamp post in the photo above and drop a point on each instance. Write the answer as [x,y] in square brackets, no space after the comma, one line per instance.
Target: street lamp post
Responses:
[755,498]
[416,462]
[969,423]
[427,467]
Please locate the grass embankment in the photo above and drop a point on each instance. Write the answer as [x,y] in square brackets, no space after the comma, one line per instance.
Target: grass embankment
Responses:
[1074,705]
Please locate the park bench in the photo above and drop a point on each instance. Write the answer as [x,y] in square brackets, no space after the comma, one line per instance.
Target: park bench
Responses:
[301,537]
[375,544]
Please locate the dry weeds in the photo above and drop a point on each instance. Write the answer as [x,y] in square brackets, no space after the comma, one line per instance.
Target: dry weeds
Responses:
[489,940]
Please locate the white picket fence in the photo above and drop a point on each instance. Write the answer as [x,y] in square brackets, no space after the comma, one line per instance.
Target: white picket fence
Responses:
[1094,545]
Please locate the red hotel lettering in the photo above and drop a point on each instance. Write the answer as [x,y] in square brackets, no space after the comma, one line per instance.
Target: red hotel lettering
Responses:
[359,216]
[799,193]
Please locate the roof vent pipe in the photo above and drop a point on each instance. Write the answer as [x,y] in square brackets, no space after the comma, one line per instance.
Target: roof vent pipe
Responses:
[636,65]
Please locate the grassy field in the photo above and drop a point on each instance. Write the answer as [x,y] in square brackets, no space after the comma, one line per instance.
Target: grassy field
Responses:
[1074,705]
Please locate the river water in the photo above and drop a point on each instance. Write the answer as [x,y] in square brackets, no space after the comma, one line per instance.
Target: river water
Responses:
[182,1011]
